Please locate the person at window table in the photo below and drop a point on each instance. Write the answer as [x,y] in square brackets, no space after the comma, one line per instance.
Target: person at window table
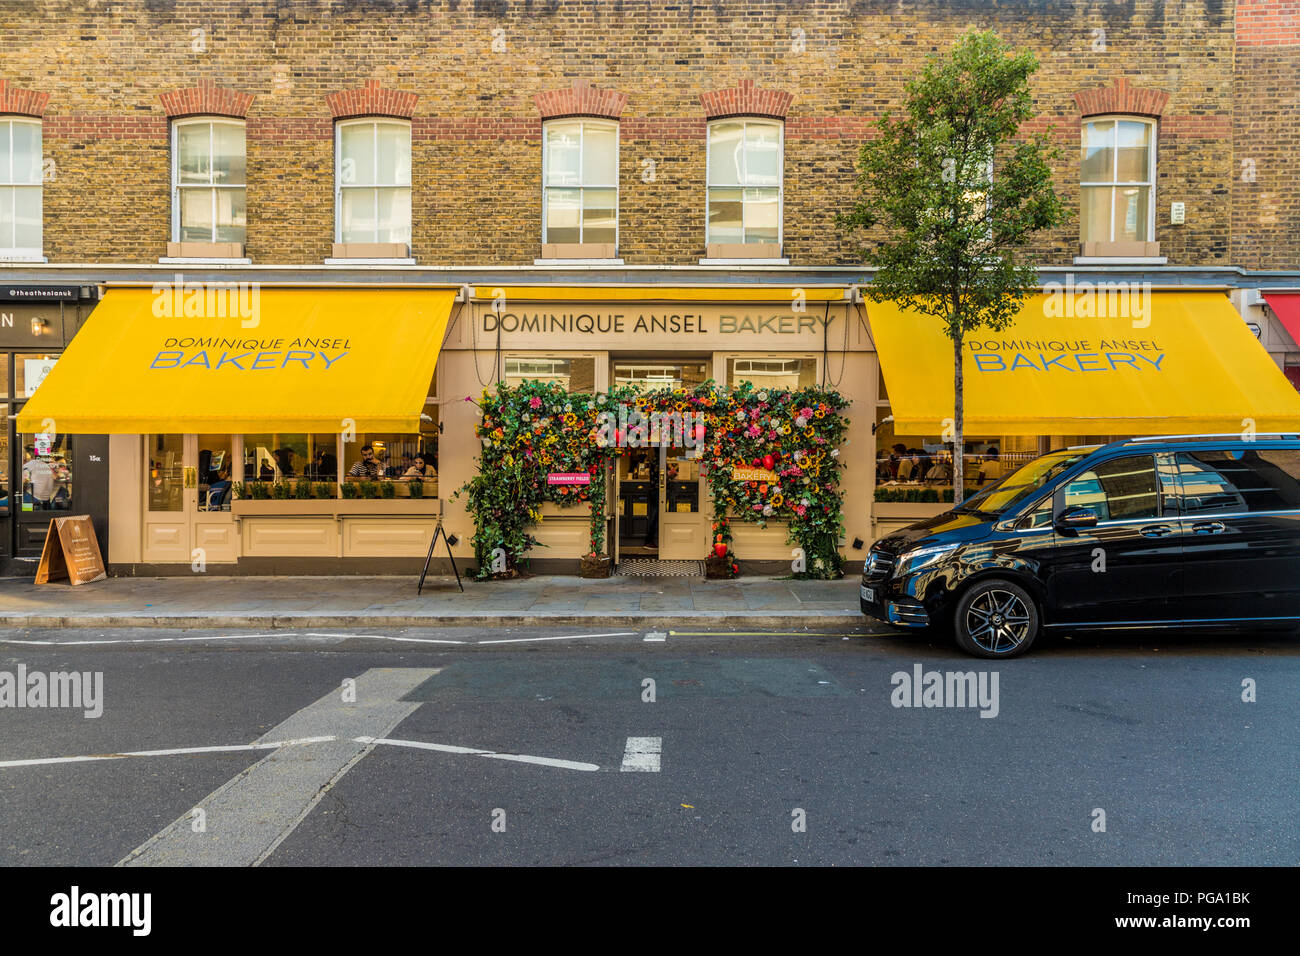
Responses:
[420,468]
[40,476]
[991,468]
[369,466]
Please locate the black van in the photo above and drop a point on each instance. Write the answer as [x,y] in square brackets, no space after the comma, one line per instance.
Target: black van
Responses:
[1174,531]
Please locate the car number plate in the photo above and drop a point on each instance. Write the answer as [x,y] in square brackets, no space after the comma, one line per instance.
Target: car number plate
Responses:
[869,594]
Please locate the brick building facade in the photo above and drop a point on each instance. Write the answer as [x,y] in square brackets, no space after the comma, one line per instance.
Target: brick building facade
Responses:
[471,75]
[462,95]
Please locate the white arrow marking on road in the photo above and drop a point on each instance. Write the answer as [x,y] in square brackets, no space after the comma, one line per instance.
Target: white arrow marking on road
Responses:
[566,637]
[252,814]
[642,754]
[389,637]
[175,751]
[149,640]
[448,748]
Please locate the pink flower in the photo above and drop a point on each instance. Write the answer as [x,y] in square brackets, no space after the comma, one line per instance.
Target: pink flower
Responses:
[806,412]
[534,402]
[754,431]
[801,510]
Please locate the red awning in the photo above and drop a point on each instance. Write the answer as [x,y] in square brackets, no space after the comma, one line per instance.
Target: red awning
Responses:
[1287,307]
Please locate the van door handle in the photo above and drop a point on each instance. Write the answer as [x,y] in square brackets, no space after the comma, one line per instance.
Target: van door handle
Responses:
[1155,530]
[1207,527]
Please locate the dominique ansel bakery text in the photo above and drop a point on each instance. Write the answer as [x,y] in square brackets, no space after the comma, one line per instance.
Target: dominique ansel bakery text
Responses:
[250,354]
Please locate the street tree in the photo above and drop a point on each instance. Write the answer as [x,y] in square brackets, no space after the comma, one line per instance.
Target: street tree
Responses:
[950,194]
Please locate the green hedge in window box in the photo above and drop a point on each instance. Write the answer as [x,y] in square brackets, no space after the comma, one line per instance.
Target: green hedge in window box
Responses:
[914,495]
[369,489]
[302,489]
[416,487]
[387,489]
[351,489]
[280,491]
[324,489]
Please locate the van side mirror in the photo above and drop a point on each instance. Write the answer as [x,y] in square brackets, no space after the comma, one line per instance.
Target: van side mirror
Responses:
[1078,516]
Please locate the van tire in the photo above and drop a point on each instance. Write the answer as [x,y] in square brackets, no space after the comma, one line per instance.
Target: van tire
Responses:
[995,618]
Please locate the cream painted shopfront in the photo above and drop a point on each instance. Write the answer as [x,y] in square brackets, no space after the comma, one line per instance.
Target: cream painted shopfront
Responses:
[330,431]
[174,503]
[598,337]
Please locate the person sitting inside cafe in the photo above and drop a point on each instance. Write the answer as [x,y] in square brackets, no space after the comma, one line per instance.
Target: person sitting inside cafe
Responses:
[906,465]
[421,468]
[991,467]
[369,466]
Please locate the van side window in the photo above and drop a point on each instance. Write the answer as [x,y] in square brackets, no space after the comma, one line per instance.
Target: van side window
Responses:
[1243,479]
[1117,489]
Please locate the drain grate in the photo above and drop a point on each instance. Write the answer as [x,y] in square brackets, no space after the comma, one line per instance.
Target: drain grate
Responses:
[654,568]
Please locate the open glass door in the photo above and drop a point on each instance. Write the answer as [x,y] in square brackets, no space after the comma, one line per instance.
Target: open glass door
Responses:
[187,499]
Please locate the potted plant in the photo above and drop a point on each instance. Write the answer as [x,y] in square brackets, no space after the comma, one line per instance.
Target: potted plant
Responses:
[388,489]
[302,489]
[595,565]
[324,489]
[369,489]
[416,487]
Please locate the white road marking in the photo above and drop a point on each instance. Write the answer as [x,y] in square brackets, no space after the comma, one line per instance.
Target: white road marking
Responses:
[252,814]
[389,637]
[642,754]
[566,637]
[451,749]
[654,636]
[149,640]
[172,752]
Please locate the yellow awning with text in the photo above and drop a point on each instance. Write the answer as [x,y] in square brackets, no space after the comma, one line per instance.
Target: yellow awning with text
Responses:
[225,357]
[1088,361]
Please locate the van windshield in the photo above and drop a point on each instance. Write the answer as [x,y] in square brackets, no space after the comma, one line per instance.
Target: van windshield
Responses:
[1002,494]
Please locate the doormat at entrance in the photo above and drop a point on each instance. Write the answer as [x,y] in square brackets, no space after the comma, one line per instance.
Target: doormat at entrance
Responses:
[654,568]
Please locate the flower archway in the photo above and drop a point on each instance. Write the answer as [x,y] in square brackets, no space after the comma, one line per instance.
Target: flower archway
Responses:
[766,455]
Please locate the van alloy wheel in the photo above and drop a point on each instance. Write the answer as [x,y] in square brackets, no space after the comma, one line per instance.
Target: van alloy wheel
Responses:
[996,619]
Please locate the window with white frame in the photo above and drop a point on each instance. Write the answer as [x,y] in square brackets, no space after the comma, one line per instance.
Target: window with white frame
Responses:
[373,181]
[20,187]
[745,172]
[1117,179]
[580,182]
[208,180]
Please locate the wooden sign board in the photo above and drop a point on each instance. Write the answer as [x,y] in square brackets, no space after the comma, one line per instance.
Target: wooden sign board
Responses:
[71,551]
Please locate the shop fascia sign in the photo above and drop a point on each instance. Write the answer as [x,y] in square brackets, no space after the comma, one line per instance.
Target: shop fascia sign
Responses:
[755,321]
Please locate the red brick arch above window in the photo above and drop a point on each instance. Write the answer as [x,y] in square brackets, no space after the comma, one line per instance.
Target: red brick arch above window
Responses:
[16,101]
[746,100]
[372,100]
[206,99]
[580,99]
[1123,99]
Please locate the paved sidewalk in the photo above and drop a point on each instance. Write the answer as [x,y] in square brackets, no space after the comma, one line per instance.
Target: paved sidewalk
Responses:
[296,602]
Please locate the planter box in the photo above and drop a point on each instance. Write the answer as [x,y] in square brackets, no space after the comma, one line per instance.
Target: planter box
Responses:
[597,567]
[580,510]
[914,510]
[333,507]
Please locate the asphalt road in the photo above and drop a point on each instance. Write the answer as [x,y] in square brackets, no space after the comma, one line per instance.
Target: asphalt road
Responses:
[746,738]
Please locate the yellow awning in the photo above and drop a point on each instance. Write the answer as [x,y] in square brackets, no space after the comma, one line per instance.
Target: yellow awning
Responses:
[1085,362]
[204,358]
[595,293]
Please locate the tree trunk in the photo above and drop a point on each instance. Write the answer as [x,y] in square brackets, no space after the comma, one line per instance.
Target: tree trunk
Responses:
[958,423]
